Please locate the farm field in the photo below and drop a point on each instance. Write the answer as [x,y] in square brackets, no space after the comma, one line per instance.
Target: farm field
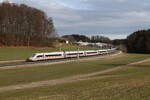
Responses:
[127,83]
[14,53]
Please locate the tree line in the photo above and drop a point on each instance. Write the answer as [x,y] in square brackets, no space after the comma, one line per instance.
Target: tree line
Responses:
[137,42]
[101,39]
[83,38]
[21,25]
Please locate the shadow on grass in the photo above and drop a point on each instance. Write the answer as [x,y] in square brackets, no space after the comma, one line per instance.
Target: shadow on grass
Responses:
[123,65]
[141,66]
[114,65]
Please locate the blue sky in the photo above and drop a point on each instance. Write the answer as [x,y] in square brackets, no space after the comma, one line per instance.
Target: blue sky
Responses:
[112,18]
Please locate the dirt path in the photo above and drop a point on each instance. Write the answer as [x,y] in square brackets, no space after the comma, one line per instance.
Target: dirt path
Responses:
[67,79]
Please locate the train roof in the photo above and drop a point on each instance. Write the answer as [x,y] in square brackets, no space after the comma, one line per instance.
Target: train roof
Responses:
[103,50]
[73,51]
[49,53]
[91,50]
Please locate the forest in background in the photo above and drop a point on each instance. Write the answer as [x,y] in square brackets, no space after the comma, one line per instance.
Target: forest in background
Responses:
[84,38]
[21,25]
[137,42]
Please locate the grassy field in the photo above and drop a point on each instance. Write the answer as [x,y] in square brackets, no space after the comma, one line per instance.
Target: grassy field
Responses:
[25,75]
[128,83]
[10,53]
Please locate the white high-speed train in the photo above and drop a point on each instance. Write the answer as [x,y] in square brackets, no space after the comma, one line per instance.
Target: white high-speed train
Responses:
[68,54]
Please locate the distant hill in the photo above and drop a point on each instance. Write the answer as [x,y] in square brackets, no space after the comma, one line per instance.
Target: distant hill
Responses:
[21,25]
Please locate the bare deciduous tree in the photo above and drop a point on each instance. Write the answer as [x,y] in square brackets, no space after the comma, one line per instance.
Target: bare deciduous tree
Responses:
[21,25]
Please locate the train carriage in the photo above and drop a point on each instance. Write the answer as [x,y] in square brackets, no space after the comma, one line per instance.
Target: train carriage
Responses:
[46,56]
[74,54]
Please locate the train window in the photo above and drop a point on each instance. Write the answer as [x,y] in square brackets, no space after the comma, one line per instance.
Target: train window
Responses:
[74,53]
[91,52]
[53,55]
[39,56]
[102,51]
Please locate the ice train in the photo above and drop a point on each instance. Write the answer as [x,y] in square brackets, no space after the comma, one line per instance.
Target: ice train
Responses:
[68,54]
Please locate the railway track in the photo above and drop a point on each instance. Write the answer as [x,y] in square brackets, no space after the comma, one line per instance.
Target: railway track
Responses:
[24,63]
